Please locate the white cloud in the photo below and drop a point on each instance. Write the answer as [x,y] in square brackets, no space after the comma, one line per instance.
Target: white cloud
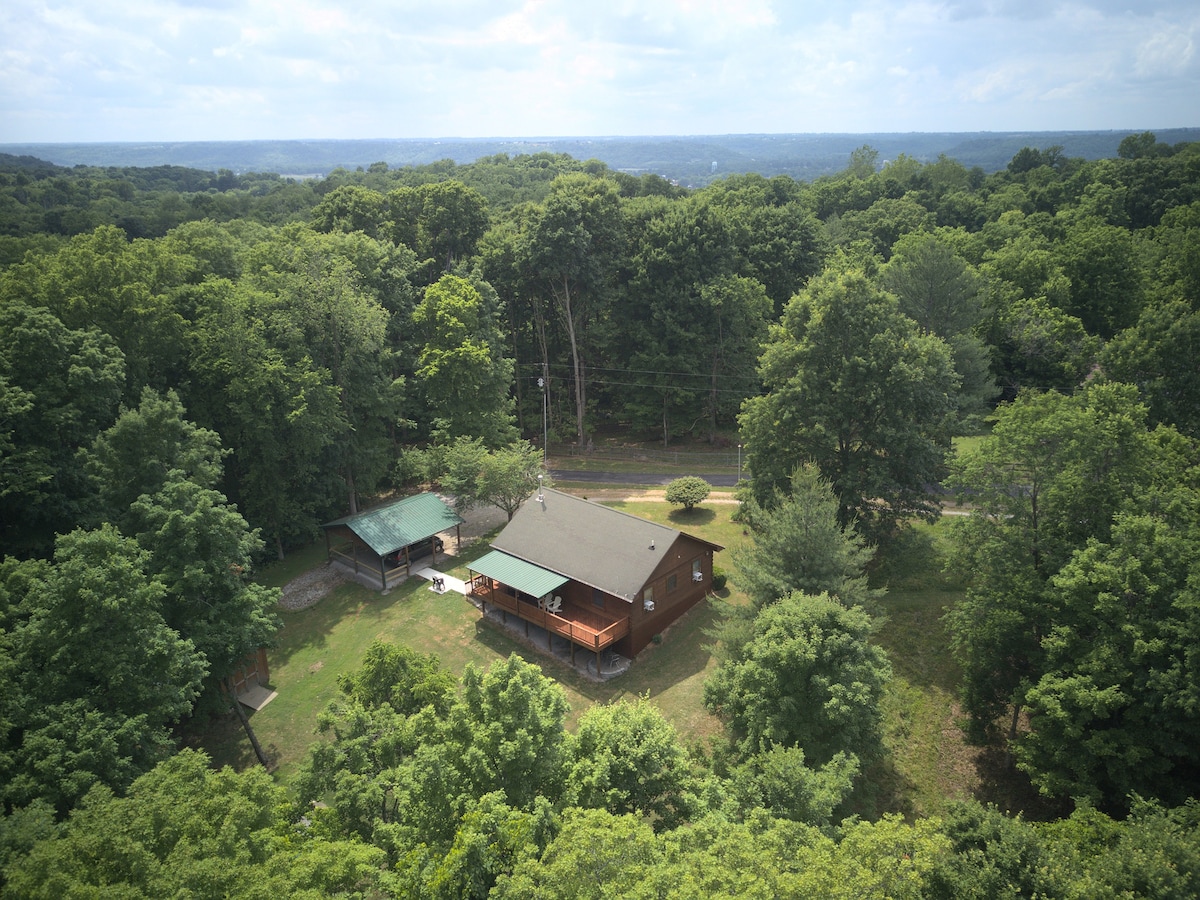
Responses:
[193,69]
[1168,54]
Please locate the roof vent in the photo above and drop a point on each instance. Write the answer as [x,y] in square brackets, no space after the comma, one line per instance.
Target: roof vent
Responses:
[652,545]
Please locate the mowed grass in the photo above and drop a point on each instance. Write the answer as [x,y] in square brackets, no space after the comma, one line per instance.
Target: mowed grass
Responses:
[928,763]
[319,643]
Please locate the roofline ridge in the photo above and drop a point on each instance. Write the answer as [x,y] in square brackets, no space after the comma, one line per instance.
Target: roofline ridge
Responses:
[611,509]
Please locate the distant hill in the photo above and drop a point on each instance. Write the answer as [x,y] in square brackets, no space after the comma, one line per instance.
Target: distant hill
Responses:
[687,159]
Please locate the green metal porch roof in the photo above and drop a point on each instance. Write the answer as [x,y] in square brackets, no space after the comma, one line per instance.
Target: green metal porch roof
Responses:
[396,525]
[533,580]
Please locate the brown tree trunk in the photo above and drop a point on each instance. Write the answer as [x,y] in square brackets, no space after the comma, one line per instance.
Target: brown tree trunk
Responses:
[568,315]
[245,720]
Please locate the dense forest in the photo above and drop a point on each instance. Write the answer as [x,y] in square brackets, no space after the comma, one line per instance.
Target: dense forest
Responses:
[198,368]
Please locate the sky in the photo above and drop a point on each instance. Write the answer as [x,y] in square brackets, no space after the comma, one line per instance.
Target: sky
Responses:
[191,70]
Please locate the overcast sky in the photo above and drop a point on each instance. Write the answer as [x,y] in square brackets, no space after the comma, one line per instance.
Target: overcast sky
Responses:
[178,70]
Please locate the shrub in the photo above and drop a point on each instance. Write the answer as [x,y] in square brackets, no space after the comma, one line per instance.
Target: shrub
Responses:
[688,490]
[719,578]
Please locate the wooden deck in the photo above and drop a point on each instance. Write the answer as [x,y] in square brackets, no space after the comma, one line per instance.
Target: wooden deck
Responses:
[581,627]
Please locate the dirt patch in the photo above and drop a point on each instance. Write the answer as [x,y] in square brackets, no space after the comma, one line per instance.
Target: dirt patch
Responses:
[632,496]
[307,589]
[477,521]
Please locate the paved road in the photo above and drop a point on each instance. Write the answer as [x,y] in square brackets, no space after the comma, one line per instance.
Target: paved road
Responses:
[635,478]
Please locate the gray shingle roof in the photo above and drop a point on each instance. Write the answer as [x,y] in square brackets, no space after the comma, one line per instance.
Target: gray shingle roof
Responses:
[396,525]
[596,545]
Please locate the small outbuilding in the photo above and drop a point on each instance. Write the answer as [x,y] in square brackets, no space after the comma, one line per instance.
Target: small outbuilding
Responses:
[386,539]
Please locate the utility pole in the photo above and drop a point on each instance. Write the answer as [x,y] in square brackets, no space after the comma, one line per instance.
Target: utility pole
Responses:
[543,384]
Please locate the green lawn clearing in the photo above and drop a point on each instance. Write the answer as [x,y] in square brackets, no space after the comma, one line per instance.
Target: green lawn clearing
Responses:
[928,763]
[319,643]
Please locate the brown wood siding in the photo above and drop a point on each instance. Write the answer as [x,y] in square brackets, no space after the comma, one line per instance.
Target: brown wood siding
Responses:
[668,607]
[254,671]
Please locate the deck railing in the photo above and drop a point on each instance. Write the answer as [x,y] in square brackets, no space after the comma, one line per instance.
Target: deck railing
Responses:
[555,623]
[364,563]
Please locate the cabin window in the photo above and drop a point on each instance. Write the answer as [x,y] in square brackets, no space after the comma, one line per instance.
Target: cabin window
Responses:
[697,570]
[648,598]
[672,583]
[598,597]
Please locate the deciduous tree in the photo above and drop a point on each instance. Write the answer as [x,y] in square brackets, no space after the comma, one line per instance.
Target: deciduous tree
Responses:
[58,388]
[1116,712]
[779,781]
[854,388]
[505,477]
[626,758]
[186,829]
[1149,354]
[99,675]
[142,451]
[808,677]
[571,247]
[462,374]
[1050,477]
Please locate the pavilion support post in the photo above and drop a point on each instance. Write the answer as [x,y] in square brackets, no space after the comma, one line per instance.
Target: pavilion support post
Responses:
[598,673]
[491,589]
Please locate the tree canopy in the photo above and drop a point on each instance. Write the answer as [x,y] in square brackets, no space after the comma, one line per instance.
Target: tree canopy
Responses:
[195,365]
[854,388]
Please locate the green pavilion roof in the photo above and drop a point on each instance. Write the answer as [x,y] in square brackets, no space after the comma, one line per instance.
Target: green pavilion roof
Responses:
[394,526]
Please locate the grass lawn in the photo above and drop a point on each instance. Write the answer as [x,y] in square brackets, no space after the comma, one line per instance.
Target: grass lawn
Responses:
[928,763]
[965,444]
[318,643]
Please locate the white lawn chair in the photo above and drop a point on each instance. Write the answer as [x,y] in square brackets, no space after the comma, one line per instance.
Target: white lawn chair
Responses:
[555,605]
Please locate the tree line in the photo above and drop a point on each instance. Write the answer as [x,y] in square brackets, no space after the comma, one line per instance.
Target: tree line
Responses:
[431,789]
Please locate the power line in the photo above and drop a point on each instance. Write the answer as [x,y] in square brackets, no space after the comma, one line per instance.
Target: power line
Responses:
[702,389]
[571,369]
